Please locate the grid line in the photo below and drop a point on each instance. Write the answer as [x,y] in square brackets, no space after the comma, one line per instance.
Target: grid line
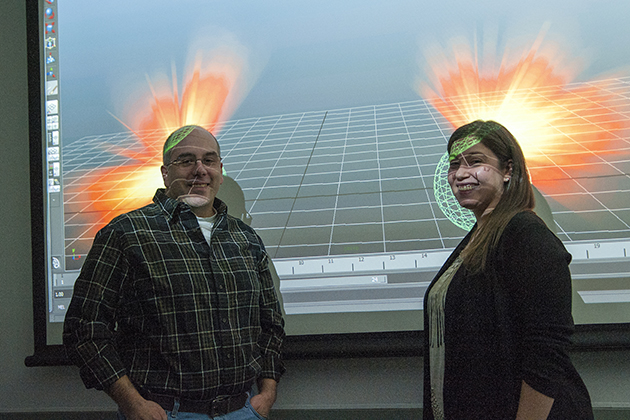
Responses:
[360,180]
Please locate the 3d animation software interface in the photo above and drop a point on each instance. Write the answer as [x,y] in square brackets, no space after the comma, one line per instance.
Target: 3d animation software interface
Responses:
[344,198]
[344,202]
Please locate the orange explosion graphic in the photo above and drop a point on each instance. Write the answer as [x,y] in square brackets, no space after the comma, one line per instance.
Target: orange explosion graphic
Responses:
[562,128]
[104,193]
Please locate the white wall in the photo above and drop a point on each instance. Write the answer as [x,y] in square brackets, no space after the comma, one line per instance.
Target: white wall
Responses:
[353,383]
[22,388]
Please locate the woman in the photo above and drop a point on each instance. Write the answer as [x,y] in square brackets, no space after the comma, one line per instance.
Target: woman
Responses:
[498,313]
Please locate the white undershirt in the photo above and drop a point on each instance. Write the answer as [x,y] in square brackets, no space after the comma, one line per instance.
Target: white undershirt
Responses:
[206,224]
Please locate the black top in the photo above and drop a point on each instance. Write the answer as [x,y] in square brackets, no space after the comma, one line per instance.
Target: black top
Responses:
[510,323]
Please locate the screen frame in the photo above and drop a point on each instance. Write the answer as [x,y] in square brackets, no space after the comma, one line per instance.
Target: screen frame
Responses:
[588,337]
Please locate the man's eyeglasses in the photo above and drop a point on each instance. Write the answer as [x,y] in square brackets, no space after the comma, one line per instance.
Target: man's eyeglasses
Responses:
[189,162]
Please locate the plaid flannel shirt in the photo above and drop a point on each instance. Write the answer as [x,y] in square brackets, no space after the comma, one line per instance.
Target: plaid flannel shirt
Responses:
[180,317]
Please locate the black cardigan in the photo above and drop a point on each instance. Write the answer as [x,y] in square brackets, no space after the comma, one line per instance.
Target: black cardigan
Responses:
[510,323]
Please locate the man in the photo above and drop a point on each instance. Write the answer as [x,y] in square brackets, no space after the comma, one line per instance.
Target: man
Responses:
[175,309]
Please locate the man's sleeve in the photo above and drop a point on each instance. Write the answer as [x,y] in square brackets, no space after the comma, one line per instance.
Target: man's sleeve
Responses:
[89,325]
[271,322]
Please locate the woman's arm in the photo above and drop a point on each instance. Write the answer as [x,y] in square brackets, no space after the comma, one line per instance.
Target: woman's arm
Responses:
[537,281]
[533,405]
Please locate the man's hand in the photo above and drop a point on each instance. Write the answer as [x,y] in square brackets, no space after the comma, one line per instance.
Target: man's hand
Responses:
[146,410]
[266,397]
[131,403]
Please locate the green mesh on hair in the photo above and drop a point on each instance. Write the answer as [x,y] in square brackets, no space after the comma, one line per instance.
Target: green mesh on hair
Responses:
[177,136]
[445,199]
[463,144]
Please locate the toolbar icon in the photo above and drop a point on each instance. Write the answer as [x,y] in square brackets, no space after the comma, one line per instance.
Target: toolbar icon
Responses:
[52,107]
[52,87]
[53,154]
[52,122]
[51,43]
[53,138]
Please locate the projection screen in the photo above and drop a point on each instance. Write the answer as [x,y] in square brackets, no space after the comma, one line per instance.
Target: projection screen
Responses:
[332,119]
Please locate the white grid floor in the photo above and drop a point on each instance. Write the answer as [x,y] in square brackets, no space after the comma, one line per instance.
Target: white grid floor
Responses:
[360,180]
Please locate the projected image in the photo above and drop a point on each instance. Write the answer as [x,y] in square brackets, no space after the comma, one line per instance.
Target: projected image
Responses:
[345,183]
[579,160]
[360,181]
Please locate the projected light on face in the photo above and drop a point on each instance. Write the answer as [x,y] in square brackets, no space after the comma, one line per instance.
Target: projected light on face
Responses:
[192,169]
[208,97]
[450,206]
[558,125]
[183,163]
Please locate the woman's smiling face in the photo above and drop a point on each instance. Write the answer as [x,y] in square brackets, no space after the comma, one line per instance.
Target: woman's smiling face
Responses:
[477,179]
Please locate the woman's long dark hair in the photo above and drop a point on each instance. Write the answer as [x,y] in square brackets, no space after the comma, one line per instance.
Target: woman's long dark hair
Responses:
[517,193]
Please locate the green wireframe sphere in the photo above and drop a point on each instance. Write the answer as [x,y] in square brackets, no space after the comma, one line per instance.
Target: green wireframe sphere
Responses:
[446,201]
